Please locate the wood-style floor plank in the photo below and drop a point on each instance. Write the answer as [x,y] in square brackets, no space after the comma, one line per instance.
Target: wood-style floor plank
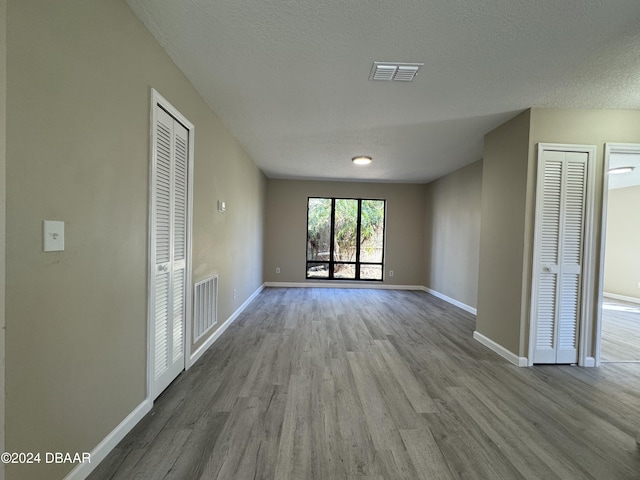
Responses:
[426,455]
[620,331]
[345,384]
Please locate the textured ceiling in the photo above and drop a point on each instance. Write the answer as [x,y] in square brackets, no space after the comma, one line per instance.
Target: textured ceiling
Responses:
[289,78]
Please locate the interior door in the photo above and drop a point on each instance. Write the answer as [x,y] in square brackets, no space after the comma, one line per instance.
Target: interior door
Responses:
[169,248]
[558,255]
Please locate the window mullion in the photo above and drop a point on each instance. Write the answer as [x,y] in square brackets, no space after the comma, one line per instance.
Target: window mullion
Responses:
[332,236]
[358,233]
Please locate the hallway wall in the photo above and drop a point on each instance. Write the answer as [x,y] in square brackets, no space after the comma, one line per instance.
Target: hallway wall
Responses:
[79,79]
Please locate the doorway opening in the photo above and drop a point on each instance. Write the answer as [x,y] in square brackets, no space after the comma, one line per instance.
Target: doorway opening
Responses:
[619,299]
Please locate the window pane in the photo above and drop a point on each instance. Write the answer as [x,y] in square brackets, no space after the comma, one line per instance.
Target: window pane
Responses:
[317,270]
[318,228]
[341,234]
[372,231]
[345,230]
[345,271]
[371,272]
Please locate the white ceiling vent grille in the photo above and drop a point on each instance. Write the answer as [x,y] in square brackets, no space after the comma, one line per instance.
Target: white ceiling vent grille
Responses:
[398,72]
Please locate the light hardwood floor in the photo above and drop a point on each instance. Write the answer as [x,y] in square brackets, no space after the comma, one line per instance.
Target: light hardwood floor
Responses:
[378,384]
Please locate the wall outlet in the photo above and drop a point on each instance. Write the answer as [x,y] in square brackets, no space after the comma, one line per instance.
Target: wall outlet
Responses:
[278,271]
[391,273]
[638,284]
[234,293]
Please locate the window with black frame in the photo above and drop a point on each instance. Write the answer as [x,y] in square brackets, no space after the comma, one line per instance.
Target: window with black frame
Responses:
[345,238]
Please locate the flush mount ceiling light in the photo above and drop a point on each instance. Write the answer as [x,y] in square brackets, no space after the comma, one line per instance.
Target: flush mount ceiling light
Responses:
[615,171]
[394,71]
[362,160]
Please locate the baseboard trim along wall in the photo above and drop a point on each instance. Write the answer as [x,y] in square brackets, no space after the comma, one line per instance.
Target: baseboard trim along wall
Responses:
[624,298]
[341,284]
[378,286]
[487,342]
[99,453]
[452,301]
[203,348]
[500,350]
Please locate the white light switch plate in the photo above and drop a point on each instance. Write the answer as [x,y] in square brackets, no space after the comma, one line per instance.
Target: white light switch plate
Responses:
[53,236]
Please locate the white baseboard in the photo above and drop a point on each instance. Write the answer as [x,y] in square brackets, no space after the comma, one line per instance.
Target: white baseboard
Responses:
[589,362]
[82,470]
[193,358]
[500,350]
[379,286]
[624,298]
[341,284]
[452,301]
[100,452]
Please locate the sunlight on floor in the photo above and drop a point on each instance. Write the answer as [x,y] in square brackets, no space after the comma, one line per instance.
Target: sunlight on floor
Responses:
[620,308]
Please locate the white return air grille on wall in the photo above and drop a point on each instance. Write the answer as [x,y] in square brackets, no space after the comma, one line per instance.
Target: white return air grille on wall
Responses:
[205,306]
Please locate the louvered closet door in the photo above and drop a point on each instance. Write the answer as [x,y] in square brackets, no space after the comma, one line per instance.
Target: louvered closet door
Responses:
[169,240]
[559,243]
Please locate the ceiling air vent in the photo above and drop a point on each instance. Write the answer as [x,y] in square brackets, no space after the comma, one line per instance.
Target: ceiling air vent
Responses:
[399,72]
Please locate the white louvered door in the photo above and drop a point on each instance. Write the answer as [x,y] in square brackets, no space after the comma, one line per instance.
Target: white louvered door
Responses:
[169,248]
[558,257]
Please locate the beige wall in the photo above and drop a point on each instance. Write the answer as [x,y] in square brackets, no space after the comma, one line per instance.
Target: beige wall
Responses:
[590,127]
[508,208]
[504,182]
[78,103]
[3,205]
[452,238]
[622,257]
[77,148]
[286,227]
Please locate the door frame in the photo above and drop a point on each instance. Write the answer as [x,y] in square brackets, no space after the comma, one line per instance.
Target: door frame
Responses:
[585,324]
[157,99]
[609,149]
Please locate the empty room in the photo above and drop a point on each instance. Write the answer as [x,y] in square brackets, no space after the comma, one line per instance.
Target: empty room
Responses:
[319,240]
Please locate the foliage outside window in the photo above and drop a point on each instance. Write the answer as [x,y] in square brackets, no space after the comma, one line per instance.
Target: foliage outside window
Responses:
[345,238]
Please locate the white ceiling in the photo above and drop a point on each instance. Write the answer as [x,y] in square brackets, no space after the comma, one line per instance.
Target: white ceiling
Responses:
[289,78]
